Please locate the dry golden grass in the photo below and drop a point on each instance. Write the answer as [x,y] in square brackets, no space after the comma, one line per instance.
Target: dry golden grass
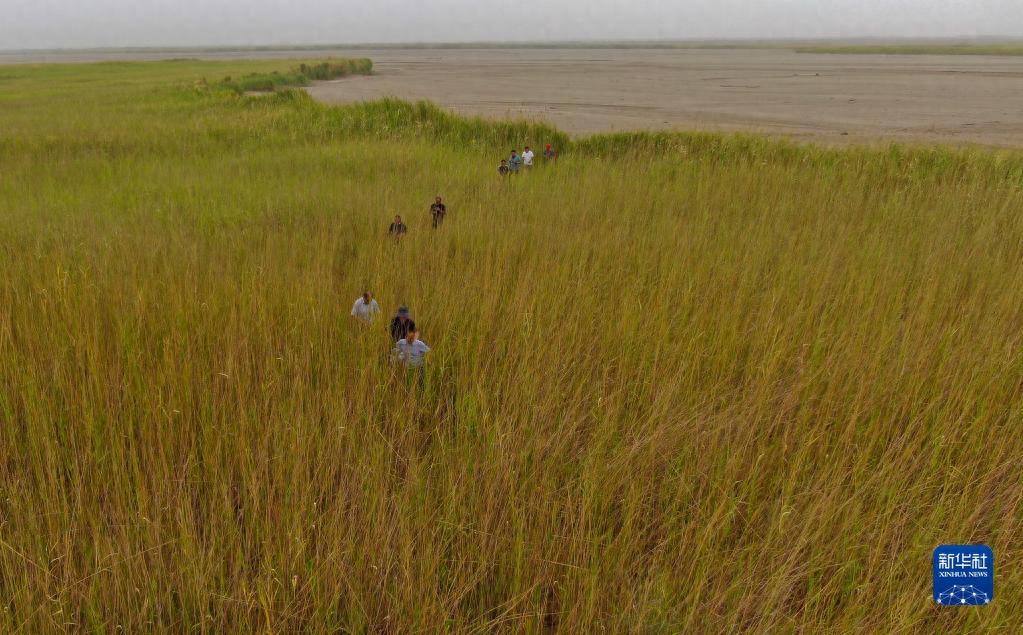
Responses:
[745,388]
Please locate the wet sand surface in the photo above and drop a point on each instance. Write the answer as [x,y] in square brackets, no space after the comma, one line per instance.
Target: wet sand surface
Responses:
[814,97]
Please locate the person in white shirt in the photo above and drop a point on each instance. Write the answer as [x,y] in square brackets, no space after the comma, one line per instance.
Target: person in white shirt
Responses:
[527,158]
[365,308]
[412,350]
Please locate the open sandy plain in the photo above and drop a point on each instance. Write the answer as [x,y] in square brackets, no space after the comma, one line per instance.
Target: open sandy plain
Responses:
[815,97]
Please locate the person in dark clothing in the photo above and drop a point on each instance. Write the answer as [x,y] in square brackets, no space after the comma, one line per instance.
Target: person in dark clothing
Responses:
[438,210]
[397,228]
[503,169]
[402,324]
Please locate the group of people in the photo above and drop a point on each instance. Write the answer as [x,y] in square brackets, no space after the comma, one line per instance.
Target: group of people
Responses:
[438,210]
[408,348]
[527,160]
[512,165]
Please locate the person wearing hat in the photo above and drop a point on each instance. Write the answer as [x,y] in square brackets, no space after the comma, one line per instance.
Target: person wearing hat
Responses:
[402,324]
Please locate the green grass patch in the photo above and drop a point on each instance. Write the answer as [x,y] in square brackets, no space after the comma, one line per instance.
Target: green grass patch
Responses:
[301,75]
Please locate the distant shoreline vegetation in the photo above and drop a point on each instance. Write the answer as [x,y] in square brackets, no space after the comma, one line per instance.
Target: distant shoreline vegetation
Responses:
[1005,50]
[951,46]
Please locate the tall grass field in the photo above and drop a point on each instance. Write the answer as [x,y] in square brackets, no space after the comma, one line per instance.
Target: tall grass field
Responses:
[680,383]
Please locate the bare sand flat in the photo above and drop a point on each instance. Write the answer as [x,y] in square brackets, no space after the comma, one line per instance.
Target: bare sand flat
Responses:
[814,97]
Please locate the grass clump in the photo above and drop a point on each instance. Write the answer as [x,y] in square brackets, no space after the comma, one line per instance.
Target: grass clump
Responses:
[396,119]
[301,75]
[682,383]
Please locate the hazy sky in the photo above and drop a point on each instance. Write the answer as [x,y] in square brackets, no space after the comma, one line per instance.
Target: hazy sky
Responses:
[88,23]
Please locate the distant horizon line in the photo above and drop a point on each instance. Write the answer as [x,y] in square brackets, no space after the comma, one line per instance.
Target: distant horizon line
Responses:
[581,43]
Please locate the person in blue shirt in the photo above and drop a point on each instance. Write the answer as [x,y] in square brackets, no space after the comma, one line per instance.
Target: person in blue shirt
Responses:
[515,162]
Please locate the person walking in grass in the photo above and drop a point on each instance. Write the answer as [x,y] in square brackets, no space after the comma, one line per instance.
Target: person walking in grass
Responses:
[397,228]
[411,351]
[548,153]
[515,162]
[438,210]
[503,169]
[527,158]
[365,308]
[401,324]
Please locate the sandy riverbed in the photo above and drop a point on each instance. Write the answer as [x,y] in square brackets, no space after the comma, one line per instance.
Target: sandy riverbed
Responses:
[824,98]
[821,98]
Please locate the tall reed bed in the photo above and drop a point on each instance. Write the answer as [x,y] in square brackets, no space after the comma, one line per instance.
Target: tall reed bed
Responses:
[711,384]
